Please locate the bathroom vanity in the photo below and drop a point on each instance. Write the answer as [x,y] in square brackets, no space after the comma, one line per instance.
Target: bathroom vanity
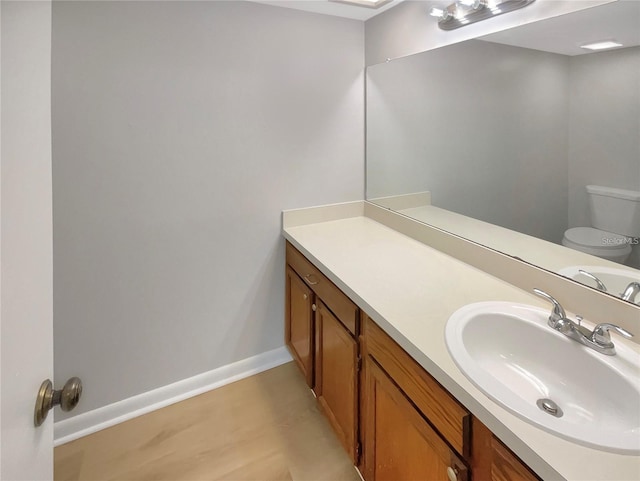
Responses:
[366,309]
[377,397]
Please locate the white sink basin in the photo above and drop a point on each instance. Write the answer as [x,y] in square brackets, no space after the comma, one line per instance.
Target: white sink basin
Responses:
[616,280]
[508,351]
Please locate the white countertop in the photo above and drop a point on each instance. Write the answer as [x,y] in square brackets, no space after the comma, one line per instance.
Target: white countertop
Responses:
[554,257]
[410,290]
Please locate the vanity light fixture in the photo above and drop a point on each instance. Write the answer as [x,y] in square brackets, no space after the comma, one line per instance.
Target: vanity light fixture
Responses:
[465,12]
[603,45]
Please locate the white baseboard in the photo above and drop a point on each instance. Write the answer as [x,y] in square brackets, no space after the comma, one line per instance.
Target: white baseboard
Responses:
[87,423]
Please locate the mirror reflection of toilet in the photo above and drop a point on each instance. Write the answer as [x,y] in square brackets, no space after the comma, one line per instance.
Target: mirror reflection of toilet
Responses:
[615,223]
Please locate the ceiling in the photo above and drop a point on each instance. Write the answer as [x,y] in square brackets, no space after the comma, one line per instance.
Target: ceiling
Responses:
[564,34]
[332,8]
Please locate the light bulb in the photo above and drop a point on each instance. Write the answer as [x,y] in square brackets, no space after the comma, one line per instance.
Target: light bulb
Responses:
[437,12]
[473,4]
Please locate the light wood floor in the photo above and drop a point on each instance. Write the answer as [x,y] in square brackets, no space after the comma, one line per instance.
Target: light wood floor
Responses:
[263,428]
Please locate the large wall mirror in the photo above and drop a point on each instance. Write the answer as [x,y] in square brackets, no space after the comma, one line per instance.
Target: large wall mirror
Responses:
[496,140]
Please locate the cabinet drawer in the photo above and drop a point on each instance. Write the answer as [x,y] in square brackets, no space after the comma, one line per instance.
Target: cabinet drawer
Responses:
[345,310]
[444,412]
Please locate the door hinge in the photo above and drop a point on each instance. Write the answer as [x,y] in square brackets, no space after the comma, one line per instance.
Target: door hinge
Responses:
[358,452]
[358,363]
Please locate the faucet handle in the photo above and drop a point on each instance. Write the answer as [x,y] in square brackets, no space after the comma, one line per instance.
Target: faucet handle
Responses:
[558,313]
[601,334]
[630,292]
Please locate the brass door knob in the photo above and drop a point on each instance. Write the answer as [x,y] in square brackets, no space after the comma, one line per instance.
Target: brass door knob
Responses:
[67,398]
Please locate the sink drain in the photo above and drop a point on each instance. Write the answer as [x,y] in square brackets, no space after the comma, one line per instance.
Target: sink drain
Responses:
[549,407]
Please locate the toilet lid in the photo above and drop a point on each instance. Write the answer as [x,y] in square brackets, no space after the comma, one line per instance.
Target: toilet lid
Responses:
[595,238]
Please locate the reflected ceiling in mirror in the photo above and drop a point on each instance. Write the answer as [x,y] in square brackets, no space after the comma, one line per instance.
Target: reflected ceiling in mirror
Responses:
[496,139]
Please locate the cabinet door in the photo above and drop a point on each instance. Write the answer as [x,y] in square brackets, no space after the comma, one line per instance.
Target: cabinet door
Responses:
[399,443]
[493,461]
[505,466]
[336,377]
[299,332]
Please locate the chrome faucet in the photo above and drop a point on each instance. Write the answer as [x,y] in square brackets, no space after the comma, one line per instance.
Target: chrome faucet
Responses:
[599,284]
[599,339]
[558,315]
[631,292]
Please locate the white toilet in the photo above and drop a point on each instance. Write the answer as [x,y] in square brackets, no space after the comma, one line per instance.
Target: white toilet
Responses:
[615,218]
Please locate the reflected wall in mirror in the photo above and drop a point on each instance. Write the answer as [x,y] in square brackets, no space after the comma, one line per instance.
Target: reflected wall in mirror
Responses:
[496,140]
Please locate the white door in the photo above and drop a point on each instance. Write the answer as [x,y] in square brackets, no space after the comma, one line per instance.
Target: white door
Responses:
[26,327]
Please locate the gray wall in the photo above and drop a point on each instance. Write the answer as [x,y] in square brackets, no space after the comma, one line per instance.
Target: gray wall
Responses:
[180,132]
[482,126]
[604,132]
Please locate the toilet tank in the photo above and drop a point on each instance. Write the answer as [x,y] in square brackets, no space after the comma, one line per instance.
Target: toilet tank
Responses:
[615,210]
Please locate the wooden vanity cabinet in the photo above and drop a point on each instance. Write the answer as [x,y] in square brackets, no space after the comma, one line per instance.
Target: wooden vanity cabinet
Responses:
[396,422]
[506,466]
[493,461]
[336,385]
[413,428]
[321,330]
[426,433]
[299,330]
[400,444]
